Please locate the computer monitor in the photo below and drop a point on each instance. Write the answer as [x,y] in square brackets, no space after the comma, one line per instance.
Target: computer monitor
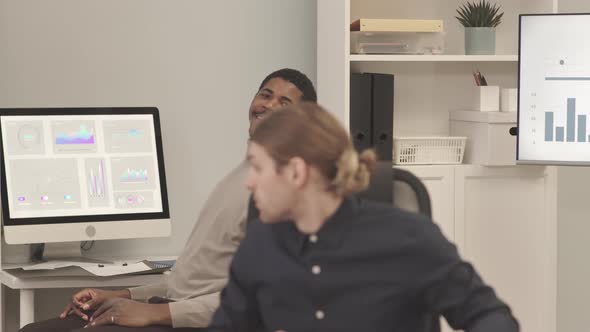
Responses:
[554,81]
[76,174]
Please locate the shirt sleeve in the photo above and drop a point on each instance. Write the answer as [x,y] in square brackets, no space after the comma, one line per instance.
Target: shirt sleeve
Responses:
[143,293]
[454,289]
[196,312]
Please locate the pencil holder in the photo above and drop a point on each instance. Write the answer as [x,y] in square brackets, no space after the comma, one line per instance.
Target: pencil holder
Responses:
[487,98]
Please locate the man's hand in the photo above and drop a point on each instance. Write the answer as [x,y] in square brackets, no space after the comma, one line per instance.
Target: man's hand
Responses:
[89,299]
[124,312]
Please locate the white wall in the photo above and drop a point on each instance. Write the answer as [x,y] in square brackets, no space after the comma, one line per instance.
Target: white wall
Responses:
[573,232]
[199,62]
[573,245]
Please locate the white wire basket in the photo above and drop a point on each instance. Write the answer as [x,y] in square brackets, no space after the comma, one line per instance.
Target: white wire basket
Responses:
[428,150]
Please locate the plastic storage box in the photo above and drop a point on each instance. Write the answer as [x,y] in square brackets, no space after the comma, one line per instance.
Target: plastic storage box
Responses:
[362,42]
[428,150]
[490,142]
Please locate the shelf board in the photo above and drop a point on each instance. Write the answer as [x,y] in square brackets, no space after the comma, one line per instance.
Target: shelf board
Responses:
[431,58]
[464,165]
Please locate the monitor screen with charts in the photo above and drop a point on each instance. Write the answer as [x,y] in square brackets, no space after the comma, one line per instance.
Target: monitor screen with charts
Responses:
[73,174]
[554,86]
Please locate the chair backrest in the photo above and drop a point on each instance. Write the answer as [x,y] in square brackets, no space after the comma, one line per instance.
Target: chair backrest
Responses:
[409,193]
[406,191]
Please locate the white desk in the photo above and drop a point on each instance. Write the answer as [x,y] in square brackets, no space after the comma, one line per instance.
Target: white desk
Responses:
[26,282]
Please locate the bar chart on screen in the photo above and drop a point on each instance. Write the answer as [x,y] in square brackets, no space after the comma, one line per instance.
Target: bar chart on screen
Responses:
[574,130]
[96,182]
[554,122]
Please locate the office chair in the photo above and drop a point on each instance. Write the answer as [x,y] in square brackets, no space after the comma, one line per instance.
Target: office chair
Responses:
[409,193]
[405,191]
[398,187]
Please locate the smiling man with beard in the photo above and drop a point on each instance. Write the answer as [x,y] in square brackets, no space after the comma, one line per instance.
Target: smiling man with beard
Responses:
[187,298]
[279,89]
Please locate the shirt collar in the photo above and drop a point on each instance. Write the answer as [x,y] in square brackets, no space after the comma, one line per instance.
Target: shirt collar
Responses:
[331,233]
[333,230]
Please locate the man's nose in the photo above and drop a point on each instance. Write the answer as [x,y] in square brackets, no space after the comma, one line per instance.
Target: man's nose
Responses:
[250,184]
[272,103]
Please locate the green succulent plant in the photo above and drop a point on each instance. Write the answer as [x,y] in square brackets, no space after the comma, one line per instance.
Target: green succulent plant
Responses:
[479,14]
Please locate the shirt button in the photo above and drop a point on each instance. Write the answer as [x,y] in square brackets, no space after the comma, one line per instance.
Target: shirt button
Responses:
[313,238]
[319,314]
[316,269]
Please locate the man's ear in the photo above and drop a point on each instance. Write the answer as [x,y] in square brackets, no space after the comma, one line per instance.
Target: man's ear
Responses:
[299,171]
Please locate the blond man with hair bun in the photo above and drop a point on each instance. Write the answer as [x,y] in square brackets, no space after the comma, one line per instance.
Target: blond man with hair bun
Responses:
[319,259]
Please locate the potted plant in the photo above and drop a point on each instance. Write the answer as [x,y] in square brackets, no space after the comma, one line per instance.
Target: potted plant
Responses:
[480,20]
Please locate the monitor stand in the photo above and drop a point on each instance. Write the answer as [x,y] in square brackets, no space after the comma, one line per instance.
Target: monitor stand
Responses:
[69,251]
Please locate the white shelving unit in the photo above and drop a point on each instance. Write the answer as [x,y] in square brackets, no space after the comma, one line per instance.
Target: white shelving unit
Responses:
[503,219]
[432,58]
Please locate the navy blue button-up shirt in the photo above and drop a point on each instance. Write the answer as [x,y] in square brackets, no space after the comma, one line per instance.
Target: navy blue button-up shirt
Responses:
[370,268]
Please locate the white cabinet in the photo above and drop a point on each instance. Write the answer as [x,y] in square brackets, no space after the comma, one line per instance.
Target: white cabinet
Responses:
[439,181]
[502,219]
[505,223]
